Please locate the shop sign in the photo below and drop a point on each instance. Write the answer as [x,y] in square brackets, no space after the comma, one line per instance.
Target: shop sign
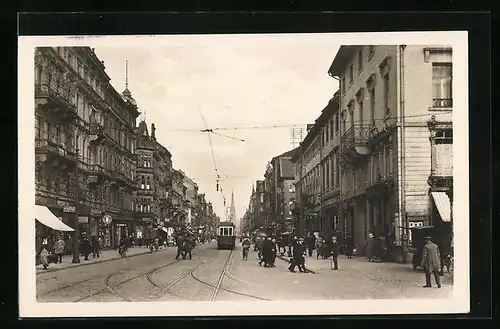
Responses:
[121,225]
[106,219]
[95,212]
[83,219]
[69,209]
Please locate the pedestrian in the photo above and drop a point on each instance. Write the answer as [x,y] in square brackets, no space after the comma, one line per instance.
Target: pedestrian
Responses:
[179,242]
[44,257]
[334,249]
[404,248]
[431,262]
[370,248]
[274,252]
[85,245]
[311,242]
[260,248]
[95,247]
[349,246]
[59,249]
[298,257]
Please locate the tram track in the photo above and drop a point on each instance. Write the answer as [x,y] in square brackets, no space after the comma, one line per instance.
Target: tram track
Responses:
[218,285]
[108,286]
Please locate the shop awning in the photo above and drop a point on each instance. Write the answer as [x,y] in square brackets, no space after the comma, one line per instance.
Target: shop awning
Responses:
[443,205]
[47,218]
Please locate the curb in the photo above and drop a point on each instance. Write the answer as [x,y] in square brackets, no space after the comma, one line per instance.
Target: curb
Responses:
[96,262]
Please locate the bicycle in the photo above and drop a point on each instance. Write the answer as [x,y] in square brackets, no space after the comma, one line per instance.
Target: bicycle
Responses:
[245,253]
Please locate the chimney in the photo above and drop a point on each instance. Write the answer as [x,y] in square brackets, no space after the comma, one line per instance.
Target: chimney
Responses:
[153,129]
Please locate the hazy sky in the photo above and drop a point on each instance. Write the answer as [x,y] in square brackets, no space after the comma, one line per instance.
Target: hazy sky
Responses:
[235,81]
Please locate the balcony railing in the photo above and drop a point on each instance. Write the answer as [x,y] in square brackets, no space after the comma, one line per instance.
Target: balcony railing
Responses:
[357,135]
[95,169]
[58,97]
[47,144]
[442,102]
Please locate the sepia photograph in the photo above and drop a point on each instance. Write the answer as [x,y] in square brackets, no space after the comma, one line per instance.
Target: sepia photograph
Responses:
[239,174]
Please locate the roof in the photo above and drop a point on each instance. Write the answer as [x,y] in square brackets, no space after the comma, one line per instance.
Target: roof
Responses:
[327,112]
[340,61]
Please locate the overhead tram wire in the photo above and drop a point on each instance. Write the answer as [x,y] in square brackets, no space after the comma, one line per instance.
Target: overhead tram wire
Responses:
[277,126]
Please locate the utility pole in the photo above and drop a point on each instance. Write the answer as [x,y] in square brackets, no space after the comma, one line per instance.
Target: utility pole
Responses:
[76,236]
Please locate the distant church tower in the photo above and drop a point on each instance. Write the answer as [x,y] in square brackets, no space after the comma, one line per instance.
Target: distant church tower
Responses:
[232,210]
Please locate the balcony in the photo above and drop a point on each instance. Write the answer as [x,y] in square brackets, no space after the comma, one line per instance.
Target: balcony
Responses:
[96,172]
[354,143]
[121,178]
[56,101]
[442,103]
[53,151]
[144,192]
[96,132]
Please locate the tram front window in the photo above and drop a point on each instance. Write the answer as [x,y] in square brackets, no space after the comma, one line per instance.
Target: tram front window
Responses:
[226,231]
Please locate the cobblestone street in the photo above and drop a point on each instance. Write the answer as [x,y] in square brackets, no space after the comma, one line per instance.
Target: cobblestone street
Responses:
[222,275]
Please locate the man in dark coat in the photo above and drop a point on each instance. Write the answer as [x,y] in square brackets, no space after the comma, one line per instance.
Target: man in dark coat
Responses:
[311,244]
[334,249]
[85,245]
[298,257]
[266,252]
[349,246]
[431,262]
[179,242]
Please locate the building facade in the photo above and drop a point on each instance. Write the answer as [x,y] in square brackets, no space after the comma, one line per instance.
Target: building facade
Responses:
[84,145]
[191,195]
[395,137]
[306,208]
[154,168]
[179,211]
[280,191]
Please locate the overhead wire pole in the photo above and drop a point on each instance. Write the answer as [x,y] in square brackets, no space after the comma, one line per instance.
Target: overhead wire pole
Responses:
[209,133]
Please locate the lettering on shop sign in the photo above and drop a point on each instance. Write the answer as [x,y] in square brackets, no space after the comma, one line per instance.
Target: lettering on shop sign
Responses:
[69,209]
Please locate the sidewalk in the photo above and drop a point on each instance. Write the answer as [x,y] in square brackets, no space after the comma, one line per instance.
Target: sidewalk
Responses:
[104,256]
[361,264]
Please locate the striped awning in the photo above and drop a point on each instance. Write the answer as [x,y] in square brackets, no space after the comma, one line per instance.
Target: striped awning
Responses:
[443,205]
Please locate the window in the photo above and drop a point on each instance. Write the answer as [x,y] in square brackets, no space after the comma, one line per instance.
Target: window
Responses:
[371,51]
[143,183]
[331,128]
[350,109]
[351,74]
[388,165]
[386,94]
[444,136]
[360,61]
[148,183]
[336,122]
[372,106]
[344,123]
[442,84]
[361,109]
[225,231]
[342,84]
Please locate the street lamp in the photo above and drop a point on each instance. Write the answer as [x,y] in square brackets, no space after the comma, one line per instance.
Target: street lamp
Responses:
[76,253]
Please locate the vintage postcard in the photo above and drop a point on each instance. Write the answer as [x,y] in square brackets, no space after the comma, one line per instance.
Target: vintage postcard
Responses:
[269,174]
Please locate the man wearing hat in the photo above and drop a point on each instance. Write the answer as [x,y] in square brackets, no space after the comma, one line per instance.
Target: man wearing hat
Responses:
[431,262]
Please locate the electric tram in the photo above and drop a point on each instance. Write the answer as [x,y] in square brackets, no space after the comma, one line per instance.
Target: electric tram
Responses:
[226,237]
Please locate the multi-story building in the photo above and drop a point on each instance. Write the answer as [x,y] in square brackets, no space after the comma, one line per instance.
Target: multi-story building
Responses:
[84,144]
[191,193]
[280,190]
[179,210]
[395,137]
[306,208]
[154,168]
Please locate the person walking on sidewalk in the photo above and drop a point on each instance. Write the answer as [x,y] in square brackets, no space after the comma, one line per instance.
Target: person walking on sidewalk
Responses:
[298,258]
[59,249]
[334,248]
[431,262]
[95,247]
[85,245]
[311,242]
[349,246]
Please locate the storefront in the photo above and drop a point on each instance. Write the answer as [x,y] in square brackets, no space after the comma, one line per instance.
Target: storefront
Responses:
[48,226]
